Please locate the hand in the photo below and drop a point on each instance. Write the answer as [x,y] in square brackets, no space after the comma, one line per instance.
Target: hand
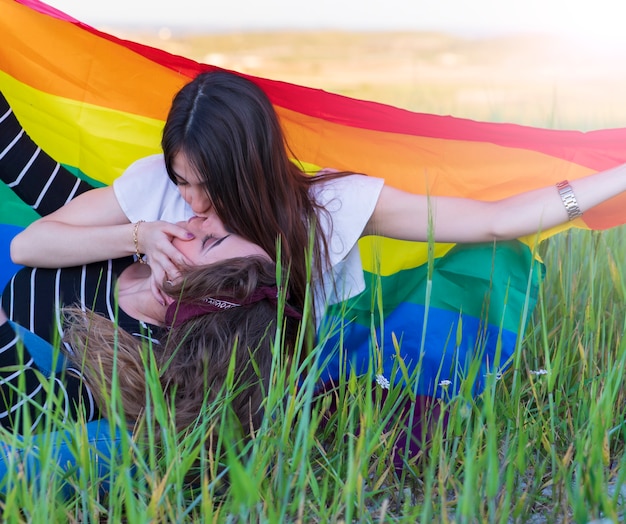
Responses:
[155,241]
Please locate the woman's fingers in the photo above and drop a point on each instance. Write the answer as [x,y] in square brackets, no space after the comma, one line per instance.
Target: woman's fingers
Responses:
[177,231]
[165,260]
[173,260]
[156,242]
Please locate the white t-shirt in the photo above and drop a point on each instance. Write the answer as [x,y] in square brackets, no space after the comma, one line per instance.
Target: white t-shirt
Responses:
[145,192]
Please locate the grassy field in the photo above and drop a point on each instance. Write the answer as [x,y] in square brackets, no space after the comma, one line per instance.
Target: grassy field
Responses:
[544,443]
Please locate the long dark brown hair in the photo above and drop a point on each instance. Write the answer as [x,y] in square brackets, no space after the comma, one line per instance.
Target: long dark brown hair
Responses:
[228,130]
[193,359]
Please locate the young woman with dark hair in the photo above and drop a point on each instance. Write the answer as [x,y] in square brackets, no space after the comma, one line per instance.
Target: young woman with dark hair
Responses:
[262,194]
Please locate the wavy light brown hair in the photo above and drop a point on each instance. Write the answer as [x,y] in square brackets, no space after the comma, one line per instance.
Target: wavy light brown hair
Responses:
[228,130]
[193,359]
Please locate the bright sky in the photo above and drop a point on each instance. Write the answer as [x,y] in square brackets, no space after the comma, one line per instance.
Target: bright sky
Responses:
[590,19]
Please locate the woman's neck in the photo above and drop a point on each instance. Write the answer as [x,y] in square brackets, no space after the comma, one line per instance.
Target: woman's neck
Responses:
[135,296]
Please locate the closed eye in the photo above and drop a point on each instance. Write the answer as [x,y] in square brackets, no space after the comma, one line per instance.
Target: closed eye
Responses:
[180,181]
[217,242]
[206,239]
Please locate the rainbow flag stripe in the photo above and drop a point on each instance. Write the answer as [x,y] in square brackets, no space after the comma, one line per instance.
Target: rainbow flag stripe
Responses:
[96,103]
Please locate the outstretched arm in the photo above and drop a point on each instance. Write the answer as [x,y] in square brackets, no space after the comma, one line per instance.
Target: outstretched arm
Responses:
[91,228]
[405,216]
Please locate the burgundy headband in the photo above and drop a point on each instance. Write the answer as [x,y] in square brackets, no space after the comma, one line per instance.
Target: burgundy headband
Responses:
[180,312]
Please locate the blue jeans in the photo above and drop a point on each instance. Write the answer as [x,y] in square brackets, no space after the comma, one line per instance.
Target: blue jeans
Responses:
[57,453]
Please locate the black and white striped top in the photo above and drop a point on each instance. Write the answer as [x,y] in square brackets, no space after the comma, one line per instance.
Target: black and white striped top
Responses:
[34,298]
[22,388]
[31,173]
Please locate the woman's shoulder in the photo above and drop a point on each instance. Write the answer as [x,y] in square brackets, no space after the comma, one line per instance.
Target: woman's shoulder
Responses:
[348,203]
[348,195]
[342,181]
[146,172]
[160,200]
[353,187]
[146,167]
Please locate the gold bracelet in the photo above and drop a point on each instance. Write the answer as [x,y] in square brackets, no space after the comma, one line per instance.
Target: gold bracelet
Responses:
[139,256]
[569,200]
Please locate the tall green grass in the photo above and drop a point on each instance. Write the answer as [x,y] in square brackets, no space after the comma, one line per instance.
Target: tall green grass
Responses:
[544,440]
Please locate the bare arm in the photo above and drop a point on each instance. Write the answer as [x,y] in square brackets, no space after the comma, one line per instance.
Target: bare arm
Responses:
[406,216]
[90,228]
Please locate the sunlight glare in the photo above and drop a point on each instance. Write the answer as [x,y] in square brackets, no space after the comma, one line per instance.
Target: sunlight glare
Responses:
[599,25]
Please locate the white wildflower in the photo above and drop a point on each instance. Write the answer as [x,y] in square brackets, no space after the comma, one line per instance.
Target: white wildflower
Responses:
[382,381]
[539,372]
[464,410]
[445,383]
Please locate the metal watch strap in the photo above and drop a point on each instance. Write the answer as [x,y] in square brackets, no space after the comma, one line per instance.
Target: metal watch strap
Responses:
[569,200]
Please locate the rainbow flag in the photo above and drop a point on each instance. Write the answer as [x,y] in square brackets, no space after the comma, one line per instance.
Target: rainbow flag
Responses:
[96,103]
